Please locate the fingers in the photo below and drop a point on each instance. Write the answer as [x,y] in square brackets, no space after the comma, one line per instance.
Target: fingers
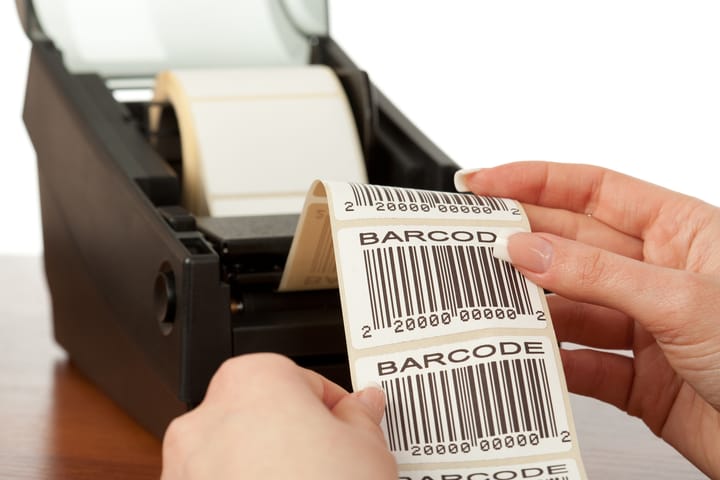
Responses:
[663,300]
[329,392]
[363,409]
[625,203]
[583,228]
[591,325]
[260,400]
[605,376]
[675,310]
[373,398]
[263,377]
[271,371]
[252,376]
[642,386]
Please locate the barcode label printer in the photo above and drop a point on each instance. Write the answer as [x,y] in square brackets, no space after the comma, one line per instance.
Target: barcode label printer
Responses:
[151,295]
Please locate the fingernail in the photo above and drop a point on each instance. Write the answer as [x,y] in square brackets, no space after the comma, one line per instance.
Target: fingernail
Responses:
[500,247]
[525,250]
[461,178]
[373,397]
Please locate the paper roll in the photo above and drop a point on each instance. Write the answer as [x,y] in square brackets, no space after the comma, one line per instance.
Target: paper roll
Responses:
[143,37]
[253,140]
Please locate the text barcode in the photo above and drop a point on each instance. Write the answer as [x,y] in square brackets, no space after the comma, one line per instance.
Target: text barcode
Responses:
[411,280]
[369,195]
[472,403]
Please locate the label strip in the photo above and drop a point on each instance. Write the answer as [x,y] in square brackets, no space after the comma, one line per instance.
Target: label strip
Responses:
[460,341]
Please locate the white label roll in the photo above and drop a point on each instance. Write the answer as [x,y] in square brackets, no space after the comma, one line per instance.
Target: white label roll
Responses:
[253,140]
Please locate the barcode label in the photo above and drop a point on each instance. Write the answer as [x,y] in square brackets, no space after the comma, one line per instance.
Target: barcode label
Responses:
[494,398]
[370,195]
[444,279]
[459,341]
[418,280]
[355,200]
[469,405]
[563,469]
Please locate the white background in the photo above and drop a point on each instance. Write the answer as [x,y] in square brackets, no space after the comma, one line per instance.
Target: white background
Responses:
[19,205]
[632,85]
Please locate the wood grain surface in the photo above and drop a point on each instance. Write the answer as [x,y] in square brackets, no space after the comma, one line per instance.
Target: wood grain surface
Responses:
[54,424]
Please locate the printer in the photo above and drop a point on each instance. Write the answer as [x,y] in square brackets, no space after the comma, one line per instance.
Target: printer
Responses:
[149,297]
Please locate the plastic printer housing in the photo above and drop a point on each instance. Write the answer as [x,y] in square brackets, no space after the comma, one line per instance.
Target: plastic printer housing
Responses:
[149,300]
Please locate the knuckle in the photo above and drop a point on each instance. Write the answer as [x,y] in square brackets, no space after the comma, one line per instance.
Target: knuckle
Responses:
[264,364]
[175,439]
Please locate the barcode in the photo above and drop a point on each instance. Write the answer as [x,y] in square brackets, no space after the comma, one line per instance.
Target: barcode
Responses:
[472,474]
[465,406]
[445,280]
[494,473]
[369,195]
[531,471]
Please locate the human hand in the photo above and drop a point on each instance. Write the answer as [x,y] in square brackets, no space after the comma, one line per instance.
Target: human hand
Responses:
[634,266]
[265,417]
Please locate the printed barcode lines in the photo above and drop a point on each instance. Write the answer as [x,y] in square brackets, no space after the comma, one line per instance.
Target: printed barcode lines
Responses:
[369,195]
[403,281]
[467,404]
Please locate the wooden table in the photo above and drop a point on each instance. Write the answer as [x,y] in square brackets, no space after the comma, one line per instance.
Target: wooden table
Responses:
[54,424]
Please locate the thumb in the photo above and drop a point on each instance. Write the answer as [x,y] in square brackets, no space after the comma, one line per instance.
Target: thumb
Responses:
[363,409]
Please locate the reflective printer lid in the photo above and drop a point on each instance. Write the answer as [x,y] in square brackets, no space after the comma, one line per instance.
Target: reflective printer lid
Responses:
[131,38]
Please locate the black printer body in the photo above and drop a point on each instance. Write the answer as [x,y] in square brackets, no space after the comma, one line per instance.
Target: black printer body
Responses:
[148,299]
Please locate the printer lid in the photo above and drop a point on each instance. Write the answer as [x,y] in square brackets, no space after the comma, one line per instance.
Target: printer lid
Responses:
[133,38]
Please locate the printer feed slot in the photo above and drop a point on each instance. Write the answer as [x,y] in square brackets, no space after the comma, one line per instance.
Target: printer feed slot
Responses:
[306,326]
[262,307]
[252,251]
[250,245]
